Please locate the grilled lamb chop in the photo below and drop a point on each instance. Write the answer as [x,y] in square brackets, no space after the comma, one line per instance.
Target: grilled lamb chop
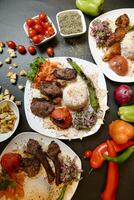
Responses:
[41,108]
[65,74]
[51,90]
[34,148]
[31,166]
[52,152]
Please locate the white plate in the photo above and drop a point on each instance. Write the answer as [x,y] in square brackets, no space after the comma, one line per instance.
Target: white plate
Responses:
[98,53]
[36,123]
[20,140]
[12,105]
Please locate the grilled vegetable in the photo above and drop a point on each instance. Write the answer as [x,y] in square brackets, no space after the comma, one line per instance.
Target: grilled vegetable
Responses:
[10,162]
[126,113]
[63,190]
[92,91]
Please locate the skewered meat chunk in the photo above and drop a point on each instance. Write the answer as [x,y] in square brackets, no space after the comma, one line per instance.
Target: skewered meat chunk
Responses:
[34,148]
[53,152]
[41,108]
[51,90]
[31,166]
[65,74]
[112,51]
[122,21]
[117,36]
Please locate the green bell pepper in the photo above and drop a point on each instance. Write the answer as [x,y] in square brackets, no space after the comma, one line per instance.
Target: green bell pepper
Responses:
[90,7]
[126,113]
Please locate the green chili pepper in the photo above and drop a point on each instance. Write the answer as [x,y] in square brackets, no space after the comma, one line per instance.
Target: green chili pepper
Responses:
[121,158]
[90,7]
[92,91]
[63,190]
[126,113]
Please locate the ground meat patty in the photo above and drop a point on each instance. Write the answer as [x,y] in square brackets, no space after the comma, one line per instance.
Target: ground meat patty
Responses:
[51,90]
[31,166]
[65,74]
[41,108]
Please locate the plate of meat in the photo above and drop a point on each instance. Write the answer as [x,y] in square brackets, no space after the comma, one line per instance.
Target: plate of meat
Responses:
[65,98]
[38,168]
[110,38]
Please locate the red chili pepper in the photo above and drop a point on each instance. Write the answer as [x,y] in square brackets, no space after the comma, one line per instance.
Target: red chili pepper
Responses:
[97,157]
[112,176]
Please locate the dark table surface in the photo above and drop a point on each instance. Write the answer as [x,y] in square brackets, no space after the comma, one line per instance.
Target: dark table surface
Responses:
[12,16]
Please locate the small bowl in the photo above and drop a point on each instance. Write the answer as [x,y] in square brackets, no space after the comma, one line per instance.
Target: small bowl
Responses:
[45,39]
[82,20]
[12,105]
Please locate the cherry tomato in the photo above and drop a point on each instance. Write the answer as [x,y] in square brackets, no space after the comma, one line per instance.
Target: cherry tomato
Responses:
[11,44]
[119,65]
[30,22]
[50,51]
[37,21]
[87,154]
[38,28]
[32,33]
[50,30]
[47,34]
[37,39]
[46,25]
[42,17]
[21,49]
[32,50]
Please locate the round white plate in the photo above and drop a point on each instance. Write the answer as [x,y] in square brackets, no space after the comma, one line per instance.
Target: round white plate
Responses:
[98,53]
[36,123]
[20,140]
[12,105]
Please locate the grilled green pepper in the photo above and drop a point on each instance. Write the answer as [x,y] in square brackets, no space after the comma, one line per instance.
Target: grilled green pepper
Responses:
[92,90]
[126,113]
[63,190]
[90,7]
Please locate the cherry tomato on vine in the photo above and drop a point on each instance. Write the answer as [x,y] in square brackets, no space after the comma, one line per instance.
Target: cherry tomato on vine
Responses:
[21,49]
[32,50]
[11,44]
[30,22]
[50,51]
[42,17]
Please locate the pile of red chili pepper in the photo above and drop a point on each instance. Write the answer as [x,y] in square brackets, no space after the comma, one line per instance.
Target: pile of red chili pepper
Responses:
[108,151]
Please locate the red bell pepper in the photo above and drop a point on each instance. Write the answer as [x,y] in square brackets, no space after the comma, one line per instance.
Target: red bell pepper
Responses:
[112,176]
[97,157]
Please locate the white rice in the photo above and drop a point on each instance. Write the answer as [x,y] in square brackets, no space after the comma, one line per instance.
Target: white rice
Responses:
[75,95]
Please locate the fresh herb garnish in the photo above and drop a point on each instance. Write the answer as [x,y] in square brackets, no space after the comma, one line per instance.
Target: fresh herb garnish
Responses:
[5,181]
[35,67]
